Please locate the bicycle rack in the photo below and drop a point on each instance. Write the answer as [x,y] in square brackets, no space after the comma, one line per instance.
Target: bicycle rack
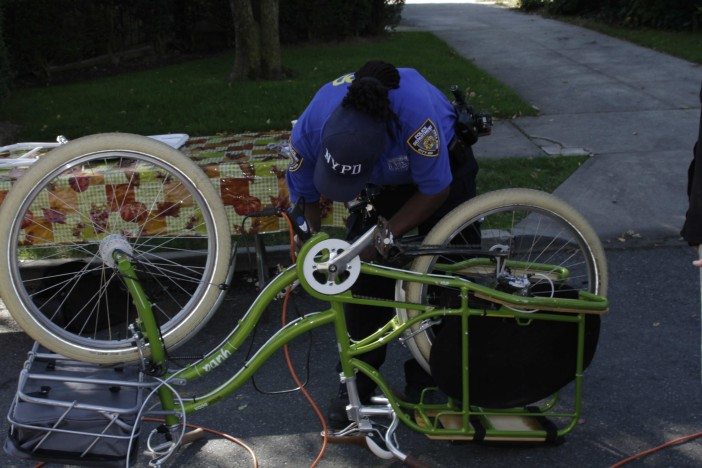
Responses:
[74,412]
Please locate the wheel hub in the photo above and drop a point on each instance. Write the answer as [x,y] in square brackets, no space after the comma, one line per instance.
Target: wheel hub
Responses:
[109,244]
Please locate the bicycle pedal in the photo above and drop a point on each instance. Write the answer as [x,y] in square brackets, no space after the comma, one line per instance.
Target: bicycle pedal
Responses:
[159,450]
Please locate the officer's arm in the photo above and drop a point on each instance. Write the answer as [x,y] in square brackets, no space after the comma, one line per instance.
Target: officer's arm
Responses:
[299,178]
[417,210]
[313,215]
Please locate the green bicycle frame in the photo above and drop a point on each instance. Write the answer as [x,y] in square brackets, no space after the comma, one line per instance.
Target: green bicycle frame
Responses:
[422,417]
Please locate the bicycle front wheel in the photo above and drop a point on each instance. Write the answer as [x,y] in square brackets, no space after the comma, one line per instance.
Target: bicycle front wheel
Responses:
[62,219]
[545,244]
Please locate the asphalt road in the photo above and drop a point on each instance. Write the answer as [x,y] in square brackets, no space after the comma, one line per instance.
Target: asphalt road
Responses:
[642,389]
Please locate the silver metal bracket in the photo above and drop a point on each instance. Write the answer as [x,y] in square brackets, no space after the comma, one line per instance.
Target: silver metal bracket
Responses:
[500,263]
[140,343]
[424,326]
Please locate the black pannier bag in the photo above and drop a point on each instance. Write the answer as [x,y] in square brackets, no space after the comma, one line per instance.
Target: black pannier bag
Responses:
[75,413]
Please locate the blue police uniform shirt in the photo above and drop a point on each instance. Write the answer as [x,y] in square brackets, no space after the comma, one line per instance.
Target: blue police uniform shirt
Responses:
[417,154]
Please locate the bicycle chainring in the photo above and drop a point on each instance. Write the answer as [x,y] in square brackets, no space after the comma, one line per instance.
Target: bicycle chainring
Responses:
[320,279]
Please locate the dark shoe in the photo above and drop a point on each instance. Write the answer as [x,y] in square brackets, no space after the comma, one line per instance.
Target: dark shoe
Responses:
[413,393]
[416,380]
[336,412]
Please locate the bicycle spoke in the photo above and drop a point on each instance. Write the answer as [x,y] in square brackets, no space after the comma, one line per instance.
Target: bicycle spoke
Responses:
[113,191]
[60,275]
[97,294]
[197,271]
[60,306]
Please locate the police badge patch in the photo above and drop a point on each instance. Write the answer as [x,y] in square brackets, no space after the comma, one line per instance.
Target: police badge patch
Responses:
[425,140]
[295,160]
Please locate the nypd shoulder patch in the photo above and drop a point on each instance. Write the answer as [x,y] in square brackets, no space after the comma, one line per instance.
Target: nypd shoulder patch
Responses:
[295,160]
[425,140]
[346,79]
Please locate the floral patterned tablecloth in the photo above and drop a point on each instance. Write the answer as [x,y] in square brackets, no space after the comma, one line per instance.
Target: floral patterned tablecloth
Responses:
[246,169]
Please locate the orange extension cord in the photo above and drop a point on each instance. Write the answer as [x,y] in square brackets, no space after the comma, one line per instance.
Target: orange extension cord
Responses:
[230,438]
[254,460]
[645,453]
[288,360]
[322,420]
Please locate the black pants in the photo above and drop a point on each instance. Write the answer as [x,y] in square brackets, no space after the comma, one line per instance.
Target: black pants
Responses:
[363,320]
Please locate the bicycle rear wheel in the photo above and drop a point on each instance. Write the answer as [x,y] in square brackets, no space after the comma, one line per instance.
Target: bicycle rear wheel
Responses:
[547,247]
[80,201]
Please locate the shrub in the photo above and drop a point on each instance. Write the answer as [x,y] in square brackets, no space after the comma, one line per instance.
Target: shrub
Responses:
[531,5]
[671,14]
[302,20]
[664,14]
[41,34]
[5,70]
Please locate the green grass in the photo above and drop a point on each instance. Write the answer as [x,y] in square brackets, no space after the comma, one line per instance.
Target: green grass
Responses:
[684,44]
[195,98]
[536,173]
[545,173]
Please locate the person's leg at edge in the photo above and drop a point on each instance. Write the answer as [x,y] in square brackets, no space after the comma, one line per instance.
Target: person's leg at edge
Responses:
[363,320]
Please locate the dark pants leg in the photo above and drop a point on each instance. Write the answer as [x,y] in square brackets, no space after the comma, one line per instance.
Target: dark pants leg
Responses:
[363,320]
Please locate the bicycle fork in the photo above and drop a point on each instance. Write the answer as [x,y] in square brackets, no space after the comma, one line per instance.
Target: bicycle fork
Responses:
[148,330]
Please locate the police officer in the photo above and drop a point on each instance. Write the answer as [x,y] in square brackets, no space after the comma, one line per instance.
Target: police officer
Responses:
[391,128]
[692,229]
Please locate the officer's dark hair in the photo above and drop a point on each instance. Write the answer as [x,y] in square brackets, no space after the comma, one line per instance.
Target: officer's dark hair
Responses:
[368,93]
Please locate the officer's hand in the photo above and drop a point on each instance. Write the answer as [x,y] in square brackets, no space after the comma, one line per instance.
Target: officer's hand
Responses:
[298,243]
[369,254]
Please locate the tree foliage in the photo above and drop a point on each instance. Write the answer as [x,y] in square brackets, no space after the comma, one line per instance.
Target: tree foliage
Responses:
[303,20]
[5,70]
[43,36]
[664,14]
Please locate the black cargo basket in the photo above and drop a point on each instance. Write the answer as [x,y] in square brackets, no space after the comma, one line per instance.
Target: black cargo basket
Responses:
[75,413]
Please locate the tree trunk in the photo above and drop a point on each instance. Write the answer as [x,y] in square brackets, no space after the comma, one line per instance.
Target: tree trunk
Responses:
[247,55]
[271,64]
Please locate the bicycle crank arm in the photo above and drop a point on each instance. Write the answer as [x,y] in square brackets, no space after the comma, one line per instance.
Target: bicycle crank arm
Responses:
[338,264]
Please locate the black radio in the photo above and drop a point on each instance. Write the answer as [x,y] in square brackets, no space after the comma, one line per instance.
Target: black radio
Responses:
[469,124]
